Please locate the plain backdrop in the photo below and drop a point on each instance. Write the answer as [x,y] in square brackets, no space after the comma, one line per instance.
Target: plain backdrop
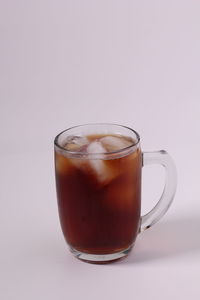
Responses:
[64,63]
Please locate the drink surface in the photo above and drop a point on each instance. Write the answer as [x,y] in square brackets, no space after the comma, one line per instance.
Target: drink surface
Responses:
[99,196]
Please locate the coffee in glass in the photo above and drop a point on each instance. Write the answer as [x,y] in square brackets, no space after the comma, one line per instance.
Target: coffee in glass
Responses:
[98,180]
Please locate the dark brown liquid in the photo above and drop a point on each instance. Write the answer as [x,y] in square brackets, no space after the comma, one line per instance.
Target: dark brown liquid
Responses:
[99,213]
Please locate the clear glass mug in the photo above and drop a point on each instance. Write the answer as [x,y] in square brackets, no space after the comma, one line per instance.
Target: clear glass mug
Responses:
[98,181]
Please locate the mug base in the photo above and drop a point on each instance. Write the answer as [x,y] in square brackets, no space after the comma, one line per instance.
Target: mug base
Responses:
[100,258]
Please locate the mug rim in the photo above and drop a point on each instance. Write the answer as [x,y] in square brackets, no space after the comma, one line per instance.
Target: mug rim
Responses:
[83,154]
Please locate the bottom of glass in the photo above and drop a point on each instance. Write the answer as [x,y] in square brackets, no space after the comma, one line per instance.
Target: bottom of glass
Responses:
[100,258]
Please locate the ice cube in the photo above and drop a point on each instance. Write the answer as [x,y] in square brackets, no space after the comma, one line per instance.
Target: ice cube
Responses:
[75,143]
[114,143]
[92,165]
[98,166]
[96,147]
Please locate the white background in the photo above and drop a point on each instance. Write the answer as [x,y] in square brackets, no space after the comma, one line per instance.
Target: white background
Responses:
[68,62]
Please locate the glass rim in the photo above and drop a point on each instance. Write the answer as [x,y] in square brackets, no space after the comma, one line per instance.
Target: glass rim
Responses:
[82,153]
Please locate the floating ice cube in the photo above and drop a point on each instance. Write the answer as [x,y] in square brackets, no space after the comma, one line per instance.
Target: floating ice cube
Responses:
[75,143]
[96,147]
[98,166]
[114,143]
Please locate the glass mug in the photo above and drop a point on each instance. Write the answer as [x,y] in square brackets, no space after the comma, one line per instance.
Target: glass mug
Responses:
[98,181]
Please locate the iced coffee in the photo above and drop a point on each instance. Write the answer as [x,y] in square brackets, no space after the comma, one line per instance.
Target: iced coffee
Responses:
[98,179]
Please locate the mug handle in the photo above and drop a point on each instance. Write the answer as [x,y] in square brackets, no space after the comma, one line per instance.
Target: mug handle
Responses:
[163,158]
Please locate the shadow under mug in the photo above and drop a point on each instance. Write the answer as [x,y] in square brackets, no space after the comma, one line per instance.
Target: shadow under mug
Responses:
[99,193]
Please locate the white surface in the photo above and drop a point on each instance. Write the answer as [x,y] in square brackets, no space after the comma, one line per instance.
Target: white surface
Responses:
[69,62]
